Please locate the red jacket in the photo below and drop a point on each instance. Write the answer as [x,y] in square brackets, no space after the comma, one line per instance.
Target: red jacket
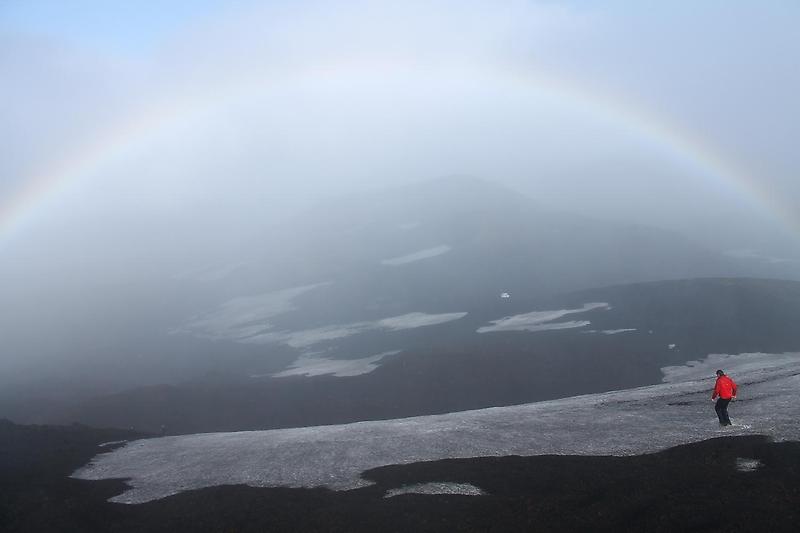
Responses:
[725,388]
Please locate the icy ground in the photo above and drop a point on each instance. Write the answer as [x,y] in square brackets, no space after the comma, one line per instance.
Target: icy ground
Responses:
[635,421]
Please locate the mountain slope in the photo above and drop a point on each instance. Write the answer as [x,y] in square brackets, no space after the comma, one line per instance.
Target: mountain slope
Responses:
[452,367]
[684,487]
[391,282]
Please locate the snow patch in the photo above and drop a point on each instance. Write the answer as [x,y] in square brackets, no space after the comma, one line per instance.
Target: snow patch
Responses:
[318,366]
[744,464]
[617,331]
[111,443]
[737,364]
[635,421]
[417,320]
[310,337]
[245,316]
[542,320]
[417,256]
[463,489]
[610,331]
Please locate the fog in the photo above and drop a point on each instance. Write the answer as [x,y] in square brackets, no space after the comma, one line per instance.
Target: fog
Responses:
[160,162]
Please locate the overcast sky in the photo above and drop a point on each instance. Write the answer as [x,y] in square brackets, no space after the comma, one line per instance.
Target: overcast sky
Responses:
[214,118]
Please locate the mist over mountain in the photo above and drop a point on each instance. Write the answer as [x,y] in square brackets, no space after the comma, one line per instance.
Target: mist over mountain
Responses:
[412,266]
[498,239]
[367,295]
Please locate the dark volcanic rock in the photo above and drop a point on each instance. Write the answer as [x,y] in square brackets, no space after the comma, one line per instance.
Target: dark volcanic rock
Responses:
[695,487]
[35,492]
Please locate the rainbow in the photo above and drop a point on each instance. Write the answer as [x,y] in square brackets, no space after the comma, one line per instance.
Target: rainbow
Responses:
[39,189]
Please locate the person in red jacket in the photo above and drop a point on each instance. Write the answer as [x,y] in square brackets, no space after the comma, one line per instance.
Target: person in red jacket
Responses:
[724,392]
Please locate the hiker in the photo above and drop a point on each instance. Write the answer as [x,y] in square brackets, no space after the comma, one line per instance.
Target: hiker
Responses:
[725,389]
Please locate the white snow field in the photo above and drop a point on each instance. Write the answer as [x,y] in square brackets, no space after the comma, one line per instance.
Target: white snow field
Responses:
[635,421]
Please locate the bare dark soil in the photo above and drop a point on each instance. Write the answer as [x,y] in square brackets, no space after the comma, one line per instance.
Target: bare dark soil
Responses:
[695,487]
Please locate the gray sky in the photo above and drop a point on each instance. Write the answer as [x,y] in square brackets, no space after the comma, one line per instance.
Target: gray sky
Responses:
[213,120]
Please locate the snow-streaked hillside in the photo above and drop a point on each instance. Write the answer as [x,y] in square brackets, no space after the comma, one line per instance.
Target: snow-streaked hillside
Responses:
[626,422]
[511,351]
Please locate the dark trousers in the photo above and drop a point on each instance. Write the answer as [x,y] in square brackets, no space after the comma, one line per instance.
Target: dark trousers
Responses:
[721,407]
